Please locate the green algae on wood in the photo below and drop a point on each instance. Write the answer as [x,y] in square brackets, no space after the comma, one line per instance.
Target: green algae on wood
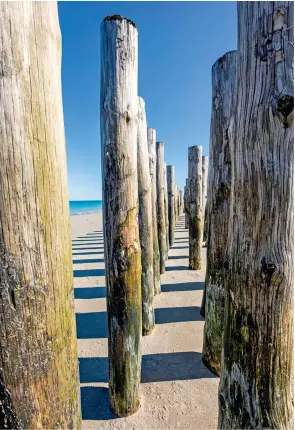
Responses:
[255,388]
[218,206]
[39,384]
[195,206]
[119,128]
[145,223]
[151,138]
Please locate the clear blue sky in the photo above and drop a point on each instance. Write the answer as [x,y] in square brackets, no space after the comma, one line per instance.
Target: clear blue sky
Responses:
[178,44]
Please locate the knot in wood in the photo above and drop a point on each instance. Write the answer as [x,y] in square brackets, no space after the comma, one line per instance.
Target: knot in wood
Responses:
[268,267]
[285,107]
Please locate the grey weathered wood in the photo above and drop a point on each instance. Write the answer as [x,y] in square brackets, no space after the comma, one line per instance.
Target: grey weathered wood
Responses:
[39,383]
[171,203]
[166,210]
[195,206]
[186,198]
[161,205]
[145,223]
[255,386]
[205,162]
[119,103]
[219,200]
[151,137]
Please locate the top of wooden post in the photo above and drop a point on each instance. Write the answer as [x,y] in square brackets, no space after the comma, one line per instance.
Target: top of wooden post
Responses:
[118,18]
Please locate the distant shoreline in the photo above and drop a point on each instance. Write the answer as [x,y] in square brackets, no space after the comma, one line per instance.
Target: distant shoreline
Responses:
[86,213]
[85,207]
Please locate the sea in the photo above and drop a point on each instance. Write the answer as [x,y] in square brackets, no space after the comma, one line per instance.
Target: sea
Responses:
[78,207]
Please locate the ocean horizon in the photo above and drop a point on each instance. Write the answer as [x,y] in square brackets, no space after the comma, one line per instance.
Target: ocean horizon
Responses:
[80,207]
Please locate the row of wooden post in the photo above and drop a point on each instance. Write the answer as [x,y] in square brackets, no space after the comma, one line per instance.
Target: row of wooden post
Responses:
[248,296]
[39,381]
[141,204]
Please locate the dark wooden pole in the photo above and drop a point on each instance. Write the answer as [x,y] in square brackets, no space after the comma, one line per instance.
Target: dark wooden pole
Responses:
[195,206]
[151,137]
[219,200]
[171,203]
[186,197]
[255,386]
[161,204]
[119,128]
[145,223]
[39,383]
[166,210]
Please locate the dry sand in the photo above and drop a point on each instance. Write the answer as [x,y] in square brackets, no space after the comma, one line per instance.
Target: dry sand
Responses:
[177,389]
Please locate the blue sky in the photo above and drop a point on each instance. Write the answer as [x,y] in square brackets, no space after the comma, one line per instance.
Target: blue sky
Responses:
[178,44]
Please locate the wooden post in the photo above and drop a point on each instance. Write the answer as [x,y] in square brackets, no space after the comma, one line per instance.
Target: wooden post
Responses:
[180,201]
[255,385]
[186,200]
[145,223]
[205,162]
[151,137]
[195,206]
[161,204]
[218,203]
[119,106]
[171,203]
[39,383]
[176,202]
[166,210]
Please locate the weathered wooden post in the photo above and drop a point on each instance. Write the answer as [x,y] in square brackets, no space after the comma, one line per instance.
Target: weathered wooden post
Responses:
[171,203]
[151,137]
[181,200]
[218,203]
[255,386]
[205,162]
[119,105]
[166,210]
[161,204]
[39,383]
[145,223]
[195,206]
[186,200]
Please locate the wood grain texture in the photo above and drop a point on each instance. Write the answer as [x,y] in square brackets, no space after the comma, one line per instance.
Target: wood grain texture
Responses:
[195,206]
[255,385]
[151,138]
[205,163]
[39,385]
[171,203]
[119,127]
[219,200]
[186,208]
[145,223]
[166,210]
[161,204]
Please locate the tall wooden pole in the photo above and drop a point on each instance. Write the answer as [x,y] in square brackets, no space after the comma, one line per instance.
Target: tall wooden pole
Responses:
[166,210]
[205,162]
[119,105]
[39,384]
[218,203]
[195,206]
[255,386]
[186,198]
[161,204]
[151,137]
[145,223]
[171,203]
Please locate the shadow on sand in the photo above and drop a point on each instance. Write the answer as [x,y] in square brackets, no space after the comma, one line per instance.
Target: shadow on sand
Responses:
[185,286]
[88,272]
[176,366]
[90,293]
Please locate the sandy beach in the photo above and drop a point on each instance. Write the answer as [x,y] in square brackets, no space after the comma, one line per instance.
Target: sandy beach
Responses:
[177,389]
